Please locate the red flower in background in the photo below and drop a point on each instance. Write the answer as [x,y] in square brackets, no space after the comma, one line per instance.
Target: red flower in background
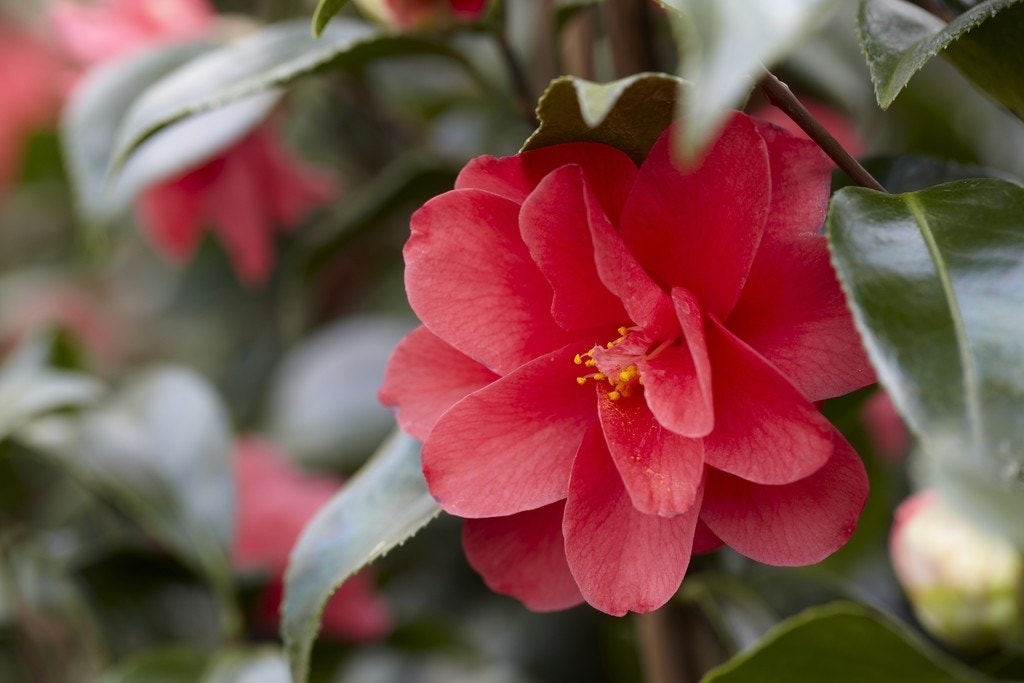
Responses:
[31,78]
[616,366]
[243,192]
[411,15]
[275,501]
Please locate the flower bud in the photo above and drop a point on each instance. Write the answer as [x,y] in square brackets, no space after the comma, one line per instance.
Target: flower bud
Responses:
[962,582]
[418,15]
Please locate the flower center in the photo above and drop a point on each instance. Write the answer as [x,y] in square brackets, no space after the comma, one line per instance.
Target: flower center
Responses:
[615,363]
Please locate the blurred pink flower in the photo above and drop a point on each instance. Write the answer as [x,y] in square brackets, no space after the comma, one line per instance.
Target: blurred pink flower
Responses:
[275,501]
[412,15]
[244,191]
[31,74]
[885,428]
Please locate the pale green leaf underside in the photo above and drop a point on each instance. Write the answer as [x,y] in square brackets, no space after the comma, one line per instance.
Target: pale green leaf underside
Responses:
[898,38]
[382,506]
[724,44]
[936,285]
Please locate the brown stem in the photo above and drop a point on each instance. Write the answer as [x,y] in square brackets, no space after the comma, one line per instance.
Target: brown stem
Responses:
[659,659]
[628,26]
[779,94]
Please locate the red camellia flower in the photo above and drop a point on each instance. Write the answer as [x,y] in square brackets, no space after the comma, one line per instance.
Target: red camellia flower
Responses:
[275,501]
[243,192]
[617,366]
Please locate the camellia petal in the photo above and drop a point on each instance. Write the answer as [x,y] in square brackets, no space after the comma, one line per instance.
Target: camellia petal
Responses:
[801,182]
[793,524]
[171,220]
[677,381]
[622,559]
[608,171]
[509,447]
[426,377]
[471,280]
[661,470]
[693,228]
[765,430]
[555,225]
[523,555]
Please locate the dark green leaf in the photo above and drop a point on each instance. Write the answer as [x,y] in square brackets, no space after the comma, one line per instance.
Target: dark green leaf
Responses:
[160,666]
[723,46]
[841,643]
[937,288]
[628,114]
[325,9]
[382,506]
[898,38]
[260,62]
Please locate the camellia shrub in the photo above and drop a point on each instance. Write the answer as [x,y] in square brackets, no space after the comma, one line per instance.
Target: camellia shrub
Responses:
[479,340]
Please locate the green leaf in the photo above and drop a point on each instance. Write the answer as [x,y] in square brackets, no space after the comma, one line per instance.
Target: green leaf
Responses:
[325,9]
[723,44]
[841,643]
[628,114]
[382,506]
[898,38]
[260,62]
[260,665]
[161,448]
[28,388]
[936,287]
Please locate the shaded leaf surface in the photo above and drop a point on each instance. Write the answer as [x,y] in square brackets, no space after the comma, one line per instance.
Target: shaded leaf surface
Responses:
[840,643]
[325,10]
[936,282]
[382,506]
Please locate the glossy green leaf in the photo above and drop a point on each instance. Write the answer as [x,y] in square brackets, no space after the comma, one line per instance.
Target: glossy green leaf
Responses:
[28,388]
[161,447]
[628,114]
[260,62]
[384,504]
[841,643]
[898,38]
[936,285]
[723,44]
[325,10]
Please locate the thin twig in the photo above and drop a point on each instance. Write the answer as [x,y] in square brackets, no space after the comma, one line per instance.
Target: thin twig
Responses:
[781,96]
[660,661]
[524,96]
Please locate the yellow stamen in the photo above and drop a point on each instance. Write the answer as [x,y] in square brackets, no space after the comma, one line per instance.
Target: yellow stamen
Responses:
[614,396]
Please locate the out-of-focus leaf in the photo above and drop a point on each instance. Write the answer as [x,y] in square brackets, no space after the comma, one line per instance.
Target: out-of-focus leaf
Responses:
[260,62]
[323,400]
[898,38]
[264,665]
[936,283]
[384,504]
[325,9]
[909,172]
[29,388]
[724,44]
[841,643]
[628,114]
[161,448]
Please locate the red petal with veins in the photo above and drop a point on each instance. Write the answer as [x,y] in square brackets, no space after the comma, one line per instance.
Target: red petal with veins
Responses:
[793,312]
[608,172]
[677,381]
[801,183]
[700,228]
[793,524]
[622,559]
[661,471]
[472,282]
[765,430]
[509,447]
[425,377]
[523,555]
[555,225]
